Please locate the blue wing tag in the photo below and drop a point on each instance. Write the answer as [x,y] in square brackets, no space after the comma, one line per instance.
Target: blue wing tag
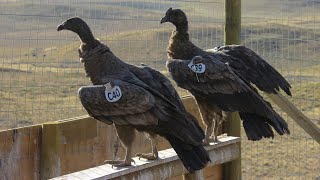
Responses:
[113,94]
[197,68]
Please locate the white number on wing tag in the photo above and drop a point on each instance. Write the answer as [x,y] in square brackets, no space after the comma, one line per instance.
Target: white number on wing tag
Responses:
[197,68]
[113,94]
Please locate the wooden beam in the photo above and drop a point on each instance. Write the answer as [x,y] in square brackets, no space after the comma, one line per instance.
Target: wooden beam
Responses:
[302,120]
[232,31]
[168,165]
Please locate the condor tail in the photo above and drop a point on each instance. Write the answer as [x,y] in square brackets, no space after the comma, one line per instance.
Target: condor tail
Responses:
[193,157]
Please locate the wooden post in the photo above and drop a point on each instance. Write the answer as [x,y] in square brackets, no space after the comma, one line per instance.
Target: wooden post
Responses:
[232,30]
[232,169]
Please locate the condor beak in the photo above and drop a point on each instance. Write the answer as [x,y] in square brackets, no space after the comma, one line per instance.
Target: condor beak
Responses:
[61,27]
[164,19]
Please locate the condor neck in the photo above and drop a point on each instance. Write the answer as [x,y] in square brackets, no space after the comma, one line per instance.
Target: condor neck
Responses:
[101,63]
[87,37]
[180,46]
[182,27]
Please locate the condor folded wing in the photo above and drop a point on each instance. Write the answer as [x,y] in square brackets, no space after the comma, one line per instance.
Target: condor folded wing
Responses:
[116,99]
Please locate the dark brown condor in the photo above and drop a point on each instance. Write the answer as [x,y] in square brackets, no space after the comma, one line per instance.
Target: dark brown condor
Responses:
[245,64]
[135,97]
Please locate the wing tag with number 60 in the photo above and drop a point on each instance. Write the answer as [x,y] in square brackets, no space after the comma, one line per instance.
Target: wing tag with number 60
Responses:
[197,68]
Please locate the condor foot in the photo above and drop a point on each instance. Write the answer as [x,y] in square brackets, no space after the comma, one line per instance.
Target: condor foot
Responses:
[148,156]
[119,163]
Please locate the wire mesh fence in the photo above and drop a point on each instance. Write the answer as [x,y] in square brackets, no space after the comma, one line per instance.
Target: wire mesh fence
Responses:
[40,71]
[286,34]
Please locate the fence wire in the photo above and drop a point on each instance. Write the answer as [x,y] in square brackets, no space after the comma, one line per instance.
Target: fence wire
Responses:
[287,35]
[39,68]
[40,71]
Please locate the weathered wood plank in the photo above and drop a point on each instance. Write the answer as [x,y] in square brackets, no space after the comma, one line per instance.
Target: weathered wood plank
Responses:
[55,137]
[19,153]
[213,172]
[168,165]
[302,120]
[198,175]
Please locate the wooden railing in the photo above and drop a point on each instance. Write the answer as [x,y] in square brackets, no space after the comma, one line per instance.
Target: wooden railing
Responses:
[57,148]
[167,166]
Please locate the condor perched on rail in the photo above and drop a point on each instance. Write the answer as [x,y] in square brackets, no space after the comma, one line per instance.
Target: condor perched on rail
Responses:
[220,81]
[133,97]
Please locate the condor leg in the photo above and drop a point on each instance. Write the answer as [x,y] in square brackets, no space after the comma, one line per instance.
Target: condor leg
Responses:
[208,120]
[126,135]
[154,154]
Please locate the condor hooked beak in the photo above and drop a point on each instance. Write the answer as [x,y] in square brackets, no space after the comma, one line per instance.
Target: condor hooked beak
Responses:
[164,19]
[61,27]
